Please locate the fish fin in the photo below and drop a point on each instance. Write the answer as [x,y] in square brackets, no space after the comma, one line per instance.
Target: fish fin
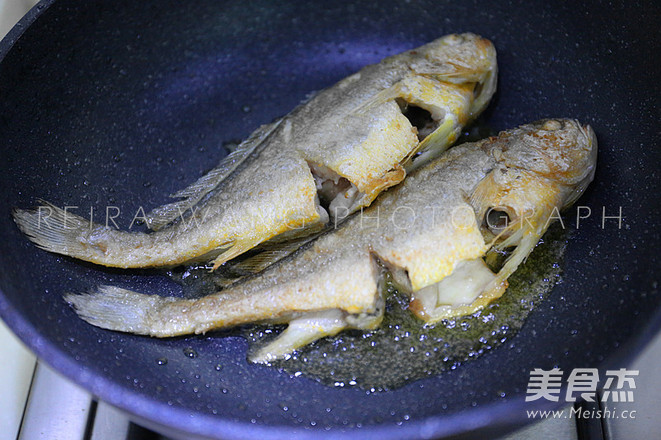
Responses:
[301,331]
[232,250]
[52,229]
[527,240]
[271,253]
[431,146]
[191,195]
[118,309]
[454,72]
[319,324]
[381,97]
[484,91]
[266,255]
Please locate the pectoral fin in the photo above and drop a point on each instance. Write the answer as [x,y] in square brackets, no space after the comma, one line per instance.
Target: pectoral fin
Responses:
[301,331]
[233,250]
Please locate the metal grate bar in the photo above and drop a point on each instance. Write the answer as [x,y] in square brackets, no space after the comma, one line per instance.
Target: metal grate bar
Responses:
[110,423]
[16,372]
[56,408]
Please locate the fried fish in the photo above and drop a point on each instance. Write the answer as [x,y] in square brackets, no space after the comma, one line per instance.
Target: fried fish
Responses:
[435,234]
[328,158]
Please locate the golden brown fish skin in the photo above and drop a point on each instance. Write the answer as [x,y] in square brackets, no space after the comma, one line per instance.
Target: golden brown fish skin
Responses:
[541,169]
[272,191]
[421,231]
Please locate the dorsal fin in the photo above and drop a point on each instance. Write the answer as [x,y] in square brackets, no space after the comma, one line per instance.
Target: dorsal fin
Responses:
[164,215]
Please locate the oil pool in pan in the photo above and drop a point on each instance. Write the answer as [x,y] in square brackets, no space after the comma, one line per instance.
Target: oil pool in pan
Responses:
[403,349]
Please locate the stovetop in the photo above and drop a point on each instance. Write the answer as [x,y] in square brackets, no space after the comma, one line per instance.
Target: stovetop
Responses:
[37,403]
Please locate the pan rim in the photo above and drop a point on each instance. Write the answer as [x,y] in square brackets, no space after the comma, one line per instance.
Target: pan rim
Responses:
[500,416]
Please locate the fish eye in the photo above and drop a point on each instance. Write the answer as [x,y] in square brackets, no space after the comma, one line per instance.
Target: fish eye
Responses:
[496,220]
[477,89]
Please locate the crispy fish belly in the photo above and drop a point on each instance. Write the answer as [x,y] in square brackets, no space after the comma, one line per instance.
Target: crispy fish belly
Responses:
[328,158]
[432,233]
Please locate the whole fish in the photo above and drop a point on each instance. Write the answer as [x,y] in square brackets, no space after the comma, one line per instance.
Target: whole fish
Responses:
[433,233]
[328,158]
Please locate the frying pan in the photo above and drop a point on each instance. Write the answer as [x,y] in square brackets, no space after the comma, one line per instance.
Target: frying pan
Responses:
[122,103]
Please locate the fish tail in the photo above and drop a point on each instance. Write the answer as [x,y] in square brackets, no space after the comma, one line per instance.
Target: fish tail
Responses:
[51,228]
[57,230]
[309,311]
[119,309]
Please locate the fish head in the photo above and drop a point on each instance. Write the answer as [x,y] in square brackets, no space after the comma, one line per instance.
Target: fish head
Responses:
[535,171]
[465,59]
[541,168]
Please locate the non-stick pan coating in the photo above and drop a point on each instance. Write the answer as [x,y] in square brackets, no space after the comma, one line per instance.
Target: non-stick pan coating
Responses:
[122,103]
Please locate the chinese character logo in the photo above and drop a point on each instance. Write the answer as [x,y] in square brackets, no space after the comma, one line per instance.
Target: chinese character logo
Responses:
[544,384]
[625,385]
[583,383]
